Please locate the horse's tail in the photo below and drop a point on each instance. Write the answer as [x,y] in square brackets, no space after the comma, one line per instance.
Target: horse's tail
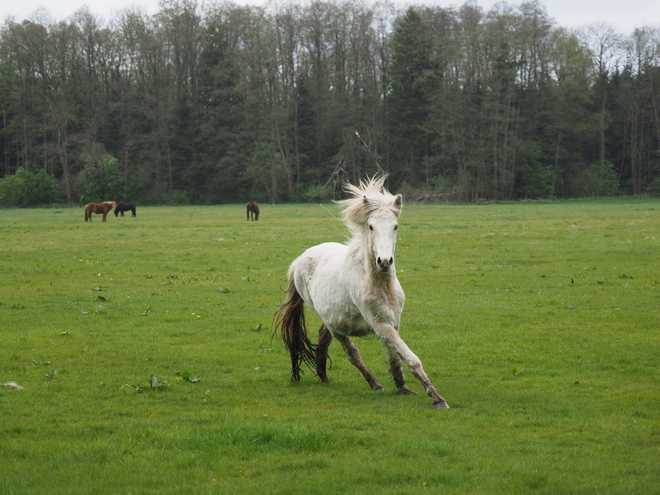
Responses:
[290,321]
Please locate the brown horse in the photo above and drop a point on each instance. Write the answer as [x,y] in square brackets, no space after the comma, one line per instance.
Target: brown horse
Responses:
[253,209]
[99,208]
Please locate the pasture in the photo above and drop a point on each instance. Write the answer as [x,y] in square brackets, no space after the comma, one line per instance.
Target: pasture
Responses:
[143,346]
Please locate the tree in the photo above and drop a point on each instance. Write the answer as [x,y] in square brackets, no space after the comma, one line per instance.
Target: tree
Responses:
[412,80]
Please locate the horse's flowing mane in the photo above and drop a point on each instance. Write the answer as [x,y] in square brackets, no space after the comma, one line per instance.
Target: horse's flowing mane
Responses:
[369,197]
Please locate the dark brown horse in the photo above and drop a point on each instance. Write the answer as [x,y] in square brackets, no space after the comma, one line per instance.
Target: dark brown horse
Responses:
[99,208]
[252,209]
[122,207]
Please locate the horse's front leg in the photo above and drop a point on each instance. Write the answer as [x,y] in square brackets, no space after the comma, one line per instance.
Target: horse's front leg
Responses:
[396,371]
[356,360]
[397,347]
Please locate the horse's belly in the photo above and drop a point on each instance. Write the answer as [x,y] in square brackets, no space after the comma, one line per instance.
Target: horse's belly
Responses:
[319,277]
[349,323]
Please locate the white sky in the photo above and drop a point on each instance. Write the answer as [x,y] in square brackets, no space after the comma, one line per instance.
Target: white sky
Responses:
[623,15]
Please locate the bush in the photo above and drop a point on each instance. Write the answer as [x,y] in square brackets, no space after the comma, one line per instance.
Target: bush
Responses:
[598,180]
[100,180]
[653,189]
[28,189]
[533,180]
[314,193]
[176,197]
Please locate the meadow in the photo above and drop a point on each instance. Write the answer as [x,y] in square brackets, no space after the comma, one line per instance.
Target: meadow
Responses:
[143,349]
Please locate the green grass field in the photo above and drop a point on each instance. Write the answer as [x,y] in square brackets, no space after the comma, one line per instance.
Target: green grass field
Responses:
[143,346]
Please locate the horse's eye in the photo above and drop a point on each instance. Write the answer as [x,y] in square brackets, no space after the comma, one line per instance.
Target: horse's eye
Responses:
[396,227]
[371,227]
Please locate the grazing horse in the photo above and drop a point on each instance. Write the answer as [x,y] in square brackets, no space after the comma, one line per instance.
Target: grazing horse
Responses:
[252,209]
[99,208]
[354,289]
[122,207]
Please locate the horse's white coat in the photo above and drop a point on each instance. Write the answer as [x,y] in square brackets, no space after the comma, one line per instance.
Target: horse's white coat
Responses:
[353,287]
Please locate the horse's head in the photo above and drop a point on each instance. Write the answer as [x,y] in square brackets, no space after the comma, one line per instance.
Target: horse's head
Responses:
[372,214]
[381,231]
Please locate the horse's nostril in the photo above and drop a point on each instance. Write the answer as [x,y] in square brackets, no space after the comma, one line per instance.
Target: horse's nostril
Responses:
[384,263]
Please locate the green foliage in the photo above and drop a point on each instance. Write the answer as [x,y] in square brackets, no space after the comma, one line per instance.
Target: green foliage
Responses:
[315,193]
[177,198]
[152,384]
[547,353]
[28,189]
[187,376]
[227,105]
[534,180]
[653,189]
[412,81]
[598,180]
[100,180]
[443,185]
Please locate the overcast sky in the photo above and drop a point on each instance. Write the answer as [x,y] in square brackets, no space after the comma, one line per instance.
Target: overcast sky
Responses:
[623,15]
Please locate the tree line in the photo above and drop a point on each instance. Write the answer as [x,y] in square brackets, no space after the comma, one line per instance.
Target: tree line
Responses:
[225,103]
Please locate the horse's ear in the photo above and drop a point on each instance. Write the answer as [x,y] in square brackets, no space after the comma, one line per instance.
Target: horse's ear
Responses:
[398,202]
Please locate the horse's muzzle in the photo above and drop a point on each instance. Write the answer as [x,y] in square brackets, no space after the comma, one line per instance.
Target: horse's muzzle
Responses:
[384,265]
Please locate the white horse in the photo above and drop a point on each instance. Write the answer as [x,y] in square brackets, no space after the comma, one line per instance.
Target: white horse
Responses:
[354,289]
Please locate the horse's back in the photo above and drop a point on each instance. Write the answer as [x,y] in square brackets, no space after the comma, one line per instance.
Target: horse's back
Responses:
[317,264]
[326,280]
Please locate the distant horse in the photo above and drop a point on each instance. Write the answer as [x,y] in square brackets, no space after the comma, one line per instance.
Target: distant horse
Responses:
[99,208]
[252,209]
[122,207]
[354,289]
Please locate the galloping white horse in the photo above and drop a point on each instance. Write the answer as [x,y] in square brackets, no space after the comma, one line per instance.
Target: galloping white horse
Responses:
[354,289]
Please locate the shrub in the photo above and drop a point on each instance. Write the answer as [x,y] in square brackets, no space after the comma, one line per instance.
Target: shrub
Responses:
[653,189]
[28,189]
[314,193]
[176,197]
[100,180]
[598,180]
[533,180]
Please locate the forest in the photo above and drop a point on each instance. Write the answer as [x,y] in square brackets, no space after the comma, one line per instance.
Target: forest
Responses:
[222,103]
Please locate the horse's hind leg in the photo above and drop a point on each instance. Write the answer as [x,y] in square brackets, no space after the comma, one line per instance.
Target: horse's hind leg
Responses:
[356,360]
[325,339]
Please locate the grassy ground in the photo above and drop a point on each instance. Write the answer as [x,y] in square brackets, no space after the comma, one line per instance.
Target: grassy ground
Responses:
[143,346]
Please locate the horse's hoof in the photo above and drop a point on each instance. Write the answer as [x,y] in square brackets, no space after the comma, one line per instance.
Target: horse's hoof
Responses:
[442,404]
[380,388]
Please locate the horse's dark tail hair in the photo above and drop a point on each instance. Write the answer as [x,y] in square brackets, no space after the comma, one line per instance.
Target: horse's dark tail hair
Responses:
[290,321]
